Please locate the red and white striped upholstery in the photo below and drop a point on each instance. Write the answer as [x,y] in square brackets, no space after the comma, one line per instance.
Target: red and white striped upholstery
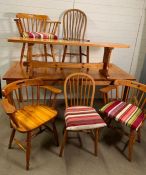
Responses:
[126,113]
[39,35]
[82,117]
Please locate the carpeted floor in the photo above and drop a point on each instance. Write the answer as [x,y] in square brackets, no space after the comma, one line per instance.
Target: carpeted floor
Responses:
[76,160]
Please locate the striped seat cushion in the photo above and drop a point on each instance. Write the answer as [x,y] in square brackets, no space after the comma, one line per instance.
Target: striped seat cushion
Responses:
[82,117]
[39,35]
[126,113]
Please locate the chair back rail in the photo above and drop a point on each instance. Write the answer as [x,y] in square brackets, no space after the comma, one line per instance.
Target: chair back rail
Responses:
[79,90]
[31,22]
[28,92]
[74,24]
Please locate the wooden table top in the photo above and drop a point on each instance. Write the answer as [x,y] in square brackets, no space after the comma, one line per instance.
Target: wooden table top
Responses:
[66,42]
[17,71]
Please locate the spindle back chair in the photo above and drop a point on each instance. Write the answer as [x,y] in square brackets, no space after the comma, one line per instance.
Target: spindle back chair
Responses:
[36,23]
[74,27]
[30,105]
[125,102]
[79,90]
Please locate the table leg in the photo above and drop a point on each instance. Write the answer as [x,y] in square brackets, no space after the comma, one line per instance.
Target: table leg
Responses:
[29,57]
[106,60]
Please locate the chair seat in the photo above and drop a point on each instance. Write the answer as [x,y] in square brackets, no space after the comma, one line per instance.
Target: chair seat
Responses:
[39,35]
[123,112]
[82,117]
[33,116]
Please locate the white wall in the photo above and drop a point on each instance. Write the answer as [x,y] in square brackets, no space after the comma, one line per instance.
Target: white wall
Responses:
[108,20]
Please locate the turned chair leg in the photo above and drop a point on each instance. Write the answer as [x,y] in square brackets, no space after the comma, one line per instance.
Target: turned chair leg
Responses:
[96,142]
[80,53]
[64,53]
[28,147]
[52,52]
[11,138]
[130,144]
[87,54]
[55,133]
[22,52]
[45,52]
[63,143]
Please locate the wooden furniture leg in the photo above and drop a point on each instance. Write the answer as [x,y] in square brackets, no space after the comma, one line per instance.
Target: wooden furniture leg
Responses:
[29,58]
[52,52]
[80,53]
[22,52]
[28,147]
[106,60]
[63,143]
[130,144]
[11,138]
[87,54]
[45,51]
[64,53]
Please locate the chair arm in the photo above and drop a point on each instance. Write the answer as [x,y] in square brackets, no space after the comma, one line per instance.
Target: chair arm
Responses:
[108,88]
[9,109]
[52,89]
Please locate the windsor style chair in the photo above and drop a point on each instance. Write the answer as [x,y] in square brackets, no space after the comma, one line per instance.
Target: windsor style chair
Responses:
[30,105]
[74,27]
[125,103]
[36,23]
[79,90]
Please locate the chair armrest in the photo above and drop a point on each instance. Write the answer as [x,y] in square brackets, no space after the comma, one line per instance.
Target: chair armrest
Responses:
[108,88]
[9,109]
[52,89]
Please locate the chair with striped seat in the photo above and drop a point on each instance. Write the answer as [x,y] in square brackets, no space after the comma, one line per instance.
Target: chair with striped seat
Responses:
[79,90]
[28,106]
[125,102]
[37,26]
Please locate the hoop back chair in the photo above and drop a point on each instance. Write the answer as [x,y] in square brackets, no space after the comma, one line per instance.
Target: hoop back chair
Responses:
[79,90]
[30,105]
[36,23]
[125,102]
[74,27]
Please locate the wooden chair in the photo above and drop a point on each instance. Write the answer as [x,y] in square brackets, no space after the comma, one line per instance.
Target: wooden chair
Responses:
[74,27]
[30,105]
[79,90]
[124,103]
[36,23]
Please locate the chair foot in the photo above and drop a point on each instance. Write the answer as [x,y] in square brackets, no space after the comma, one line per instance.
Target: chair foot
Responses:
[63,143]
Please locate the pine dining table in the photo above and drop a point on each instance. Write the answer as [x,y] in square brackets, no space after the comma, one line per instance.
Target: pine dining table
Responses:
[104,72]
